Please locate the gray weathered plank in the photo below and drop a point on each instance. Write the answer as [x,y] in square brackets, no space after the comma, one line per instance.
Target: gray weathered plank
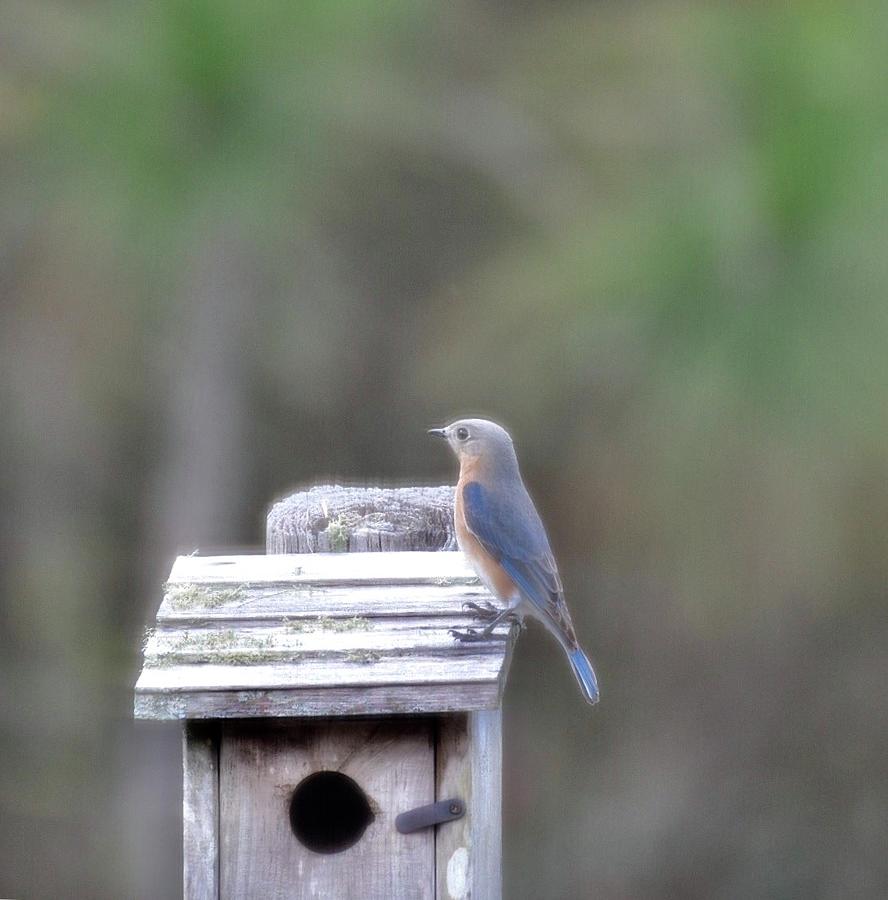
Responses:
[281,703]
[200,810]
[355,519]
[203,602]
[394,670]
[277,647]
[469,765]
[391,567]
[393,763]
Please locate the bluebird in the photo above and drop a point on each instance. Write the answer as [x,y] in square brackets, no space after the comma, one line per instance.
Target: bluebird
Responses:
[501,534]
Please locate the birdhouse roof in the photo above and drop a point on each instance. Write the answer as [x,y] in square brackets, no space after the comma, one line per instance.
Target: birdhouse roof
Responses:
[318,634]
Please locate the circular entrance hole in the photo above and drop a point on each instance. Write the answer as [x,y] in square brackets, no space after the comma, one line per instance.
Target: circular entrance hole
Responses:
[329,812]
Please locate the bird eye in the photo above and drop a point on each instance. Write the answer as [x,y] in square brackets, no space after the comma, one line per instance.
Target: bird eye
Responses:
[462,433]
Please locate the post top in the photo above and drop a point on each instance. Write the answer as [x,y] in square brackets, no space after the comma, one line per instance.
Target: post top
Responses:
[333,517]
[318,634]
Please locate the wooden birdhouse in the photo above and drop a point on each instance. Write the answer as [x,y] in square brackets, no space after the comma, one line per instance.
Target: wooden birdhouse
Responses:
[338,742]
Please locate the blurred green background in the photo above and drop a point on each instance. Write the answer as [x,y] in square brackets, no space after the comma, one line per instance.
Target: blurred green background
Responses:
[246,246]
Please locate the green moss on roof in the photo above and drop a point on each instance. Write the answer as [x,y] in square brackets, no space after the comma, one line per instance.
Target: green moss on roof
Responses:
[214,647]
[197,596]
[328,623]
[364,657]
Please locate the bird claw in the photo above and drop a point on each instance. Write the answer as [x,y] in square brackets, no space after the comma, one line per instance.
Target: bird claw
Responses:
[471,635]
[487,612]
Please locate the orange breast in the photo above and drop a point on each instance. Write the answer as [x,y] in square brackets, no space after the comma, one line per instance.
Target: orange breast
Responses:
[488,569]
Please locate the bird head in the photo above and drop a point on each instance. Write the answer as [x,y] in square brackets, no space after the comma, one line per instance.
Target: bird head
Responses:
[477,438]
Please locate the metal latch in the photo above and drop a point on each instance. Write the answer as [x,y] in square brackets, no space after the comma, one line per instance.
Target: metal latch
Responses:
[432,814]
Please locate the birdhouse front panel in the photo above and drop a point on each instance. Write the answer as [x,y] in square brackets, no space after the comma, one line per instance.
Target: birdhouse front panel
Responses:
[308,809]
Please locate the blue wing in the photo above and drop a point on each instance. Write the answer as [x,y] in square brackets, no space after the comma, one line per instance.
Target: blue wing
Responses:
[510,530]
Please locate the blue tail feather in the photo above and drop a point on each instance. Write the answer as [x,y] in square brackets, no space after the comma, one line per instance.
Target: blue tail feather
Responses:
[582,668]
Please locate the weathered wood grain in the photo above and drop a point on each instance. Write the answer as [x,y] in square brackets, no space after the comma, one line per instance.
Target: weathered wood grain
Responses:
[376,623]
[469,765]
[248,600]
[318,569]
[200,810]
[268,650]
[355,519]
[392,760]
[283,703]
[426,671]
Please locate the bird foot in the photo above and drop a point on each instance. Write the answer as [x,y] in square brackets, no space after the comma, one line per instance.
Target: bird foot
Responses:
[485,611]
[471,635]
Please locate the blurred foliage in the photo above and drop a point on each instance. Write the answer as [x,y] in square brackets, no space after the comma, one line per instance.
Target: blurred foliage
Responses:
[244,246]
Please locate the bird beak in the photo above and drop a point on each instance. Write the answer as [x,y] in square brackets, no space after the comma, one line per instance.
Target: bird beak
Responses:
[438,432]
